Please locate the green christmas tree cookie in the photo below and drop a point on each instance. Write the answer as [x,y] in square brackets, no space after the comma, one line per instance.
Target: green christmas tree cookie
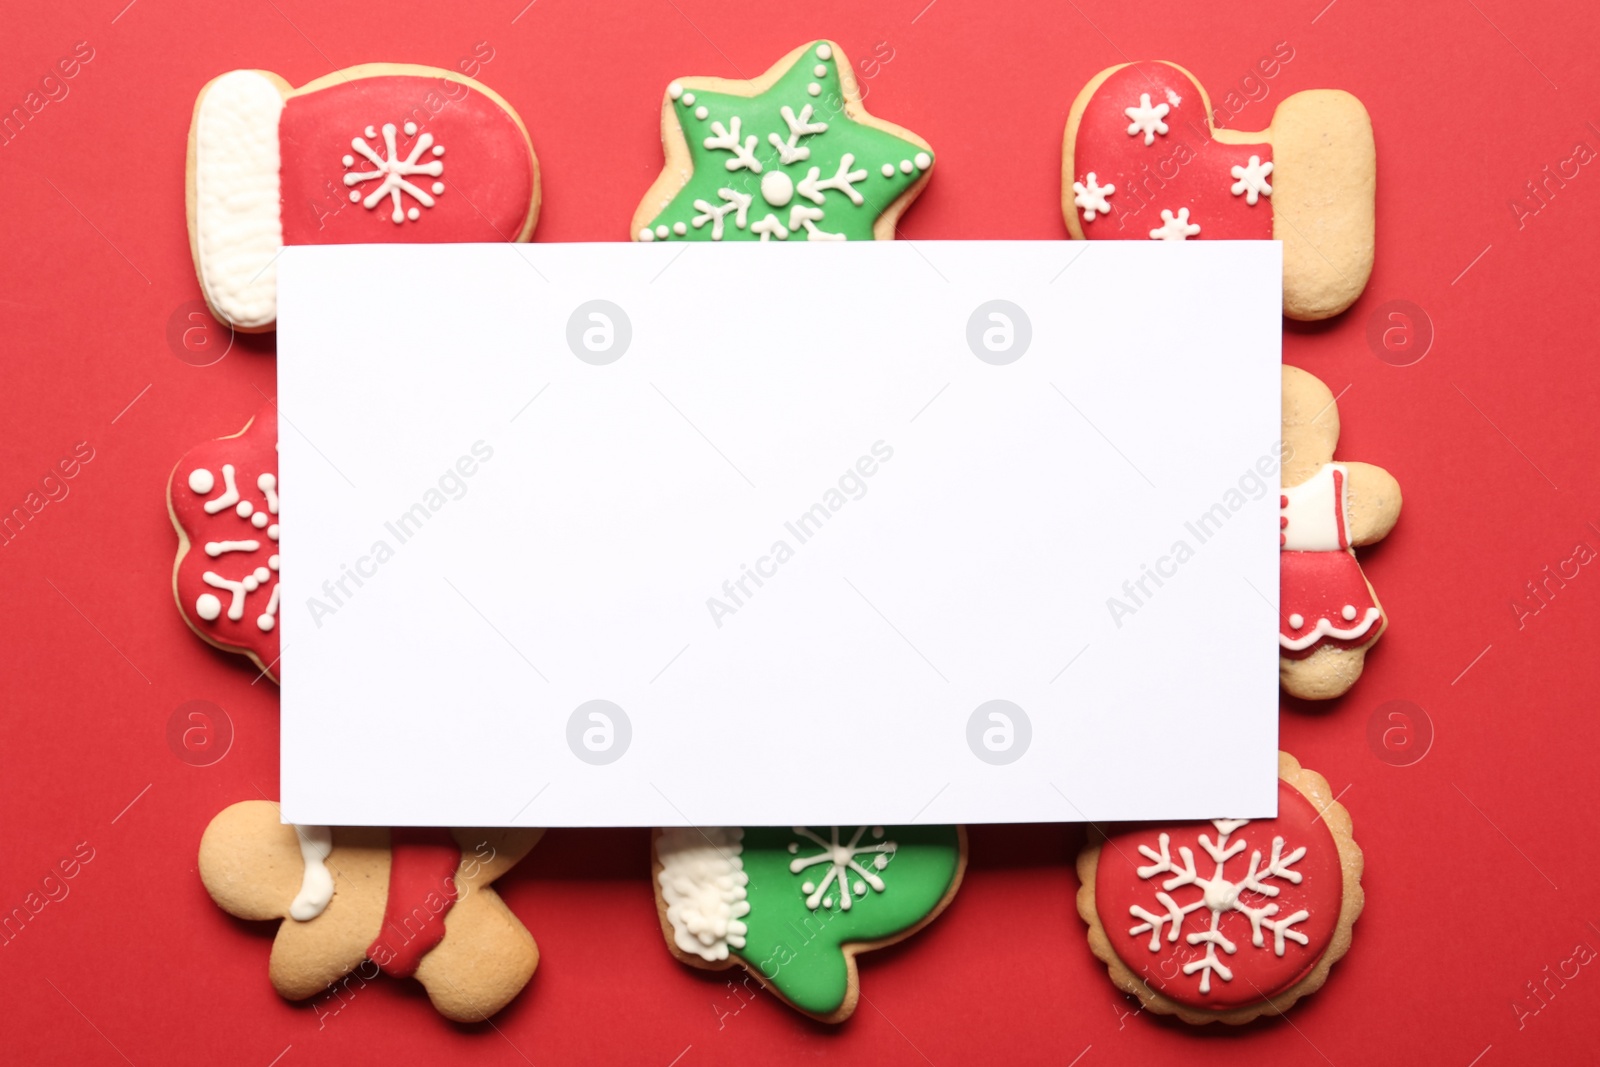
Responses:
[791,155]
[794,905]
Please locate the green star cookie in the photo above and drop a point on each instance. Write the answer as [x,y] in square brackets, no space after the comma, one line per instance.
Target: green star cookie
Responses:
[790,155]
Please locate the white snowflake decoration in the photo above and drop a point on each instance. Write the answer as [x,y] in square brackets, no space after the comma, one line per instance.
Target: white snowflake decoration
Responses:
[393,170]
[841,861]
[1091,196]
[260,519]
[1252,180]
[1175,229]
[1220,896]
[1146,119]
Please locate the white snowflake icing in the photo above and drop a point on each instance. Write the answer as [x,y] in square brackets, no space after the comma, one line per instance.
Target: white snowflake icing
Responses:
[726,138]
[1175,229]
[1091,196]
[1146,119]
[732,200]
[841,861]
[208,606]
[844,180]
[791,151]
[393,170]
[1220,896]
[1252,180]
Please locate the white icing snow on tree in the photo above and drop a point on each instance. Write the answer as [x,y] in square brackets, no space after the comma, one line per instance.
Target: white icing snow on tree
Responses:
[1220,896]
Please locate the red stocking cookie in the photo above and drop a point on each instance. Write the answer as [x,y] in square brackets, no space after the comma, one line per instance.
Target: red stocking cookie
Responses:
[1227,920]
[406,903]
[373,154]
[223,499]
[1328,614]
[1141,160]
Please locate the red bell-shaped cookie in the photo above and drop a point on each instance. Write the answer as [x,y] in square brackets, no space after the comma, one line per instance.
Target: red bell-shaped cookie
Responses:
[368,155]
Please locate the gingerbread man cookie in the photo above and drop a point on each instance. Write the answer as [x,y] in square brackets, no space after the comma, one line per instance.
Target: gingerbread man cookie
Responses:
[415,903]
[380,153]
[223,500]
[795,905]
[1227,920]
[1328,614]
[1141,160]
[791,155]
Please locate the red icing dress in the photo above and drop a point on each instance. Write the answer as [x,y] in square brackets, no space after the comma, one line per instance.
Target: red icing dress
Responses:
[1145,164]
[1323,596]
[1221,915]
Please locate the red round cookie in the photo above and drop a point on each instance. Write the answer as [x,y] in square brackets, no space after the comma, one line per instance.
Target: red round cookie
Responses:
[442,162]
[224,501]
[1222,934]
[1180,169]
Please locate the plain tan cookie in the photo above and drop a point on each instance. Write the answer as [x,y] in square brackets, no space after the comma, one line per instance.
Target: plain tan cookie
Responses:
[1319,185]
[1370,508]
[1345,864]
[256,867]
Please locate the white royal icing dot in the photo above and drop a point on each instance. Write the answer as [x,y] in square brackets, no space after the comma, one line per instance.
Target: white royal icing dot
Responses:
[679,228]
[824,52]
[262,574]
[819,71]
[1296,621]
[662,231]
[923,161]
[202,480]
[250,584]
[259,520]
[701,112]
[266,622]
[348,161]
[411,129]
[370,132]
[272,531]
[814,89]
[1349,612]
[808,887]
[674,90]
[438,188]
[888,170]
[244,509]
[647,234]
[355,196]
[208,607]
[438,149]
[688,98]
[905,166]
[413,214]
[272,561]
[777,188]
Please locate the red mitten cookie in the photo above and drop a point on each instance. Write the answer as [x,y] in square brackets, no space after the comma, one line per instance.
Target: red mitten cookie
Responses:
[1227,920]
[1328,614]
[1141,160]
[379,153]
[415,903]
[223,499]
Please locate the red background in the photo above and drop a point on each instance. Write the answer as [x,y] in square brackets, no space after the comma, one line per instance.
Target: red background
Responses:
[1481,871]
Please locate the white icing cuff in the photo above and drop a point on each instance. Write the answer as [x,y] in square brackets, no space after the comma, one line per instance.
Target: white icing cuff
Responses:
[316,884]
[238,229]
[703,882]
[1326,628]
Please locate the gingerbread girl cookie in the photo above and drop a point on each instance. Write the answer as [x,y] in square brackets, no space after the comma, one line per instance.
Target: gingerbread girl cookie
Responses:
[1227,920]
[380,153]
[1141,160]
[1328,614]
[794,905]
[413,903]
[223,500]
[790,155]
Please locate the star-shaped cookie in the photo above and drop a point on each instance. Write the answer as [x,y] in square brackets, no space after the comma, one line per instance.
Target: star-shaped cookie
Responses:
[790,155]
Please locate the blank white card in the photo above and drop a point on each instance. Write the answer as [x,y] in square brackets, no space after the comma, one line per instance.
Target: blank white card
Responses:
[614,534]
